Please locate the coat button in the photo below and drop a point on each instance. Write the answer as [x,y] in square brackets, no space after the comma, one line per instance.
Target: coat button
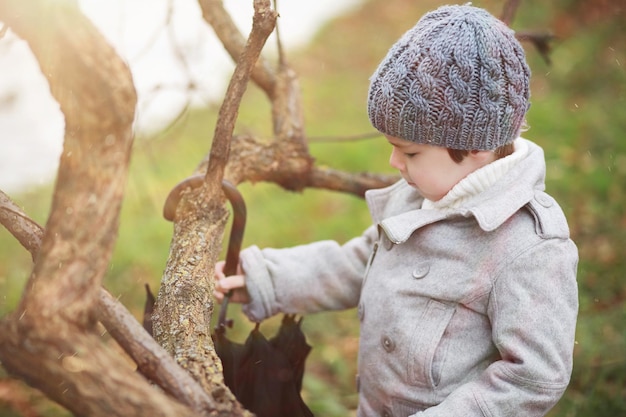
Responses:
[388,344]
[421,271]
[543,199]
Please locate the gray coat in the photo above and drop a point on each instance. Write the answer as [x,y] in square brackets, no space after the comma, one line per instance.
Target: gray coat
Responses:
[463,312]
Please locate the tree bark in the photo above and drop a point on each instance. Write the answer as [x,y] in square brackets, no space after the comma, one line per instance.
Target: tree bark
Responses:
[182,314]
[50,340]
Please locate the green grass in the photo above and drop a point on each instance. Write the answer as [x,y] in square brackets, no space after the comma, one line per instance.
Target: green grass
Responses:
[576,115]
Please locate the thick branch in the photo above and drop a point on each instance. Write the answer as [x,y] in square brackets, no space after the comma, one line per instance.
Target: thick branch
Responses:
[182,314]
[356,183]
[75,370]
[285,164]
[95,91]
[151,359]
[51,341]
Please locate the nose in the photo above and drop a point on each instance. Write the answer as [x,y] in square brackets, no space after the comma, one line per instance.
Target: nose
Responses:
[396,160]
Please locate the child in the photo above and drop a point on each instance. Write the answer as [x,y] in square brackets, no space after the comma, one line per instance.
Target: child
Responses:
[465,284]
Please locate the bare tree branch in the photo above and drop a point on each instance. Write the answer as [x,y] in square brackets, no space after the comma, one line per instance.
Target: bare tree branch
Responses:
[540,40]
[182,313]
[263,24]
[214,13]
[22,227]
[285,163]
[286,160]
[94,161]
[50,341]
[151,359]
[356,183]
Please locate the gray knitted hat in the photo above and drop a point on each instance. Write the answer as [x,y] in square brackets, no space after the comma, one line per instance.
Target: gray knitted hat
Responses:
[457,79]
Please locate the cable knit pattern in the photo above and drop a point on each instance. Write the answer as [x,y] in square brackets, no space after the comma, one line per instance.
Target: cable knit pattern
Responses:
[479,180]
[457,79]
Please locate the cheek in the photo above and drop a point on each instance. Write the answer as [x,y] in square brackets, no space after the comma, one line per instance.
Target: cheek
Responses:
[449,177]
[434,180]
[419,167]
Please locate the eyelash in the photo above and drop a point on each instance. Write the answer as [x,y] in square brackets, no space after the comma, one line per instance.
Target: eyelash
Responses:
[410,155]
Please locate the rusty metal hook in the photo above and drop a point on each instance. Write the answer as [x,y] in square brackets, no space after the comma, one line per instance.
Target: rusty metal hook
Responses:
[234,244]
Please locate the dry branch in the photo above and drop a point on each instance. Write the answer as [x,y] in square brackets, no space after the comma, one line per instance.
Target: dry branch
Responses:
[152,360]
[234,42]
[51,341]
[285,160]
[262,26]
[182,313]
[28,232]
[540,40]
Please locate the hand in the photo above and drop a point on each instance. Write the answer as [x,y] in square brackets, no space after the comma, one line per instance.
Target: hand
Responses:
[236,283]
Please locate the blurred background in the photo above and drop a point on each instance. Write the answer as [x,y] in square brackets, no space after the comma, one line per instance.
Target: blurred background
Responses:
[577,116]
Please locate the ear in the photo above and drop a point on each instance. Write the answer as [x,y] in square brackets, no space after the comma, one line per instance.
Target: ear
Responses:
[482,157]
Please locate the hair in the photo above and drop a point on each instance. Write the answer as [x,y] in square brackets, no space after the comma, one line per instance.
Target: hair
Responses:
[458,155]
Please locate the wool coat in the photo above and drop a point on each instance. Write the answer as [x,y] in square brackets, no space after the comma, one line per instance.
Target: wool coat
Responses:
[467,311]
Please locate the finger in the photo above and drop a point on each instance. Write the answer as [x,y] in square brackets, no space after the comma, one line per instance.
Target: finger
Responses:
[224,285]
[219,270]
[231,283]
[219,296]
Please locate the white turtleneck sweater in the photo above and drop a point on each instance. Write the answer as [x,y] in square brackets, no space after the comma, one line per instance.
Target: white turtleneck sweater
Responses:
[479,180]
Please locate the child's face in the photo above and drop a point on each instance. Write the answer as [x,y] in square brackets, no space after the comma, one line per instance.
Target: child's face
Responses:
[430,169]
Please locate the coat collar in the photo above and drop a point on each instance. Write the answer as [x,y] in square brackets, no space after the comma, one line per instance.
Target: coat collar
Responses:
[397,208]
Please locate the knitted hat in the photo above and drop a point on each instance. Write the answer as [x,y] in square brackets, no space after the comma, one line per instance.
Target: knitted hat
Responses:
[457,79]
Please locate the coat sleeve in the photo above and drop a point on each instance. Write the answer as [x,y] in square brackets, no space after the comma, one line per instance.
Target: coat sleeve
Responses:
[305,279]
[533,309]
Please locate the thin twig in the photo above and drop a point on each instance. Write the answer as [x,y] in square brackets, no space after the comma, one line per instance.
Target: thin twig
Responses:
[279,44]
[27,231]
[540,40]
